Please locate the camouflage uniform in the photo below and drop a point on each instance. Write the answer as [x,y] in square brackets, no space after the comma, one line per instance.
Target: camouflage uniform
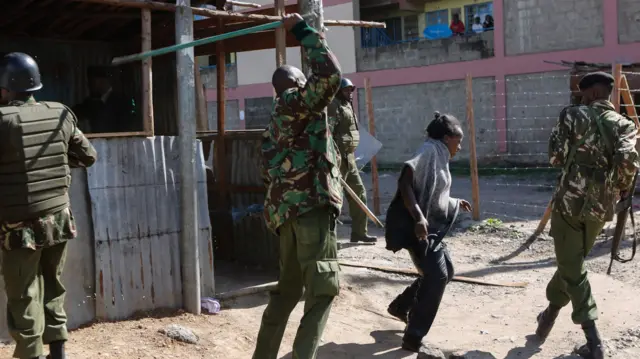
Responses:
[301,170]
[34,252]
[344,127]
[603,163]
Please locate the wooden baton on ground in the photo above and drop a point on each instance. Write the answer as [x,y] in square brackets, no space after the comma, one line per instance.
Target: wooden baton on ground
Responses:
[362,206]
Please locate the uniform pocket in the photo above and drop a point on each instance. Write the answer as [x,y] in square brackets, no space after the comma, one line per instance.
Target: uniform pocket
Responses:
[326,280]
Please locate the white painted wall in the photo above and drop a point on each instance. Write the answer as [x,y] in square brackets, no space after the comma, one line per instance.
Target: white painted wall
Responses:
[256,67]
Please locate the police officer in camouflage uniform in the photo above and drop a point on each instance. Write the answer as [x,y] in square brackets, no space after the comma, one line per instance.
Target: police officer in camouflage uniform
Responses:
[344,127]
[304,195]
[39,141]
[595,147]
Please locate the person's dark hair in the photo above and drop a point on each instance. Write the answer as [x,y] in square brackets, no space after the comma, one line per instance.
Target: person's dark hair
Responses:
[444,125]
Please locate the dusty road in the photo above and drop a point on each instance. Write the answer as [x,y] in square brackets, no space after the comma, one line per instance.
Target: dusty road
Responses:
[495,320]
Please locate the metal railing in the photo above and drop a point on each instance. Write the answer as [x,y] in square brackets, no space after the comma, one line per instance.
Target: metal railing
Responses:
[374,37]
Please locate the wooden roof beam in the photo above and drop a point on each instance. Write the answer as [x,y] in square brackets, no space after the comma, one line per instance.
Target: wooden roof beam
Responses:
[155,5]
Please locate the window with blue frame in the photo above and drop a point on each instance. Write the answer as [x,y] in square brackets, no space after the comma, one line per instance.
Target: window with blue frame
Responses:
[482,11]
[437,25]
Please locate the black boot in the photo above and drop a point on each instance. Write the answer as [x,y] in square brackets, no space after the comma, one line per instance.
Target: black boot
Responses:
[395,311]
[594,349]
[355,238]
[56,350]
[546,319]
[411,343]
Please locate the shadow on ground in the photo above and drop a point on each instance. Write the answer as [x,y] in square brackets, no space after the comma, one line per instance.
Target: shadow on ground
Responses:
[386,346]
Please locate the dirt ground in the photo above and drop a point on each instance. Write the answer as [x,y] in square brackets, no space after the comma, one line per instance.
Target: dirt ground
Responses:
[496,320]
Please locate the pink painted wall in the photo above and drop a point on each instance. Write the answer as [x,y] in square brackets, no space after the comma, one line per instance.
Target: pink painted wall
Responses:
[498,66]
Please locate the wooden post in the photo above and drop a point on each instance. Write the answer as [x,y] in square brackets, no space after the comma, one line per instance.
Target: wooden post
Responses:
[475,182]
[627,99]
[617,76]
[147,75]
[189,258]
[202,122]
[225,236]
[372,131]
[315,20]
[281,36]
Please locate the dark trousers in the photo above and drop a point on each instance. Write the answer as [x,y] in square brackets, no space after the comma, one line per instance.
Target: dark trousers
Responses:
[422,298]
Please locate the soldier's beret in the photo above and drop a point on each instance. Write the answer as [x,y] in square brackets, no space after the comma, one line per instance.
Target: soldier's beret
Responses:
[99,71]
[595,78]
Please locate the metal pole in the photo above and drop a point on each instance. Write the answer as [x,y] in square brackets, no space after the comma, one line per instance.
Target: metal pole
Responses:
[185,68]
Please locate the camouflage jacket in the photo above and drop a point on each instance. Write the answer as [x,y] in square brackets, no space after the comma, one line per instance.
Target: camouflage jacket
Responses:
[300,161]
[344,125]
[42,232]
[603,164]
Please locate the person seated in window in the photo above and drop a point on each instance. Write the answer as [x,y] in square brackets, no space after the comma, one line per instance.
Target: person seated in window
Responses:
[105,110]
[477,26]
[457,26]
[488,23]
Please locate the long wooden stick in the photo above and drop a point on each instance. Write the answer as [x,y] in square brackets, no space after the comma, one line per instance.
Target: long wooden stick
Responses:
[475,182]
[204,41]
[273,285]
[617,78]
[243,4]
[161,6]
[413,272]
[527,244]
[362,206]
[372,131]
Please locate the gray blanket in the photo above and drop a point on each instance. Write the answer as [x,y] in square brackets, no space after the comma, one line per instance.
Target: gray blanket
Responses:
[432,183]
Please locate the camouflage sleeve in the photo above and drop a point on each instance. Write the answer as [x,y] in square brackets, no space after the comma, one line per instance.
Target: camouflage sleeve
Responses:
[325,77]
[81,152]
[560,140]
[267,149]
[332,113]
[625,156]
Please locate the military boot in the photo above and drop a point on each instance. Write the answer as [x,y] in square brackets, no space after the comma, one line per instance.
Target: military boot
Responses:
[355,238]
[56,350]
[594,349]
[546,319]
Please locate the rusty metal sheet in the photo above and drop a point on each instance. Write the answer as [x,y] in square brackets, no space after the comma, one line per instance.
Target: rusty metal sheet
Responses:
[135,194]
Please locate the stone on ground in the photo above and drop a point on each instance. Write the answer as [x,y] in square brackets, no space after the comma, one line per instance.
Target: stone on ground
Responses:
[430,352]
[475,354]
[180,333]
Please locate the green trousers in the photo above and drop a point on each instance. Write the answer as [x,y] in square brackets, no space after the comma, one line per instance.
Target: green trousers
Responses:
[351,175]
[35,298]
[573,241]
[308,259]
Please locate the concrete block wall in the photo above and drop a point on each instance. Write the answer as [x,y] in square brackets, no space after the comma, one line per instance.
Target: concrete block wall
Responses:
[257,112]
[403,112]
[209,77]
[534,102]
[628,21]
[533,26]
[232,120]
[426,52]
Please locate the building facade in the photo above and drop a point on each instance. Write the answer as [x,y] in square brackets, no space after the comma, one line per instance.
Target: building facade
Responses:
[418,65]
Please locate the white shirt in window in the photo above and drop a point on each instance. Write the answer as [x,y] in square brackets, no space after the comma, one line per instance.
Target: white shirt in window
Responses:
[477,28]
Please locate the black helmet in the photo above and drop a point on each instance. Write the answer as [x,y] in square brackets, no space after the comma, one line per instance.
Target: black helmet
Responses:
[346,83]
[19,73]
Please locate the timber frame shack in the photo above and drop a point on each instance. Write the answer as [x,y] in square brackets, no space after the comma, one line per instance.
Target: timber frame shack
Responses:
[150,213]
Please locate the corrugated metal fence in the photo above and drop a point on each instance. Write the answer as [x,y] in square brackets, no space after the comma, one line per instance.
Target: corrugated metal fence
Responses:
[126,257]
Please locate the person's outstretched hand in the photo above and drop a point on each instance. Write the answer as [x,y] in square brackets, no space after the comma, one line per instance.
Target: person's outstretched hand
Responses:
[466,206]
[290,20]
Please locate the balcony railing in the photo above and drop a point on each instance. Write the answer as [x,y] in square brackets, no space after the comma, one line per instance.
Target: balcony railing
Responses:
[374,37]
